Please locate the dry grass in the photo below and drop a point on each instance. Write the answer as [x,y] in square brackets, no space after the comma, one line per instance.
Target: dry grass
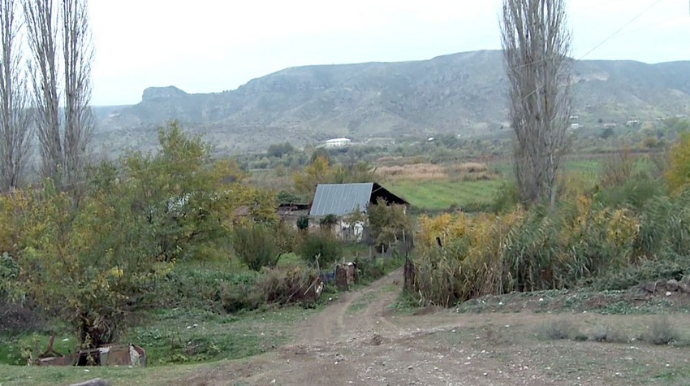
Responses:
[419,172]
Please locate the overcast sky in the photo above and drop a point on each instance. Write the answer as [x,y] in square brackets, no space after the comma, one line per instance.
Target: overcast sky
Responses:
[215,45]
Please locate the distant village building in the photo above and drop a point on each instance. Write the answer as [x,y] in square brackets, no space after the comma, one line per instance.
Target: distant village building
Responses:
[338,142]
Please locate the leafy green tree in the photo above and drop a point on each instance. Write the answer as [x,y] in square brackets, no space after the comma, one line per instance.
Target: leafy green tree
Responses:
[93,264]
[183,193]
[321,246]
[279,150]
[387,223]
[321,171]
[285,197]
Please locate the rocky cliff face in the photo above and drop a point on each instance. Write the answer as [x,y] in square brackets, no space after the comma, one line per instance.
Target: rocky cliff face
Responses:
[157,93]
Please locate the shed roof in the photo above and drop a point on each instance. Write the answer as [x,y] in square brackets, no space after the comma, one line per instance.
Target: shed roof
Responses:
[342,199]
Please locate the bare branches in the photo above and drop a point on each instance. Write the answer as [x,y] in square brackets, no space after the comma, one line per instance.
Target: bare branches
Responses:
[41,27]
[536,46]
[78,54]
[63,138]
[14,118]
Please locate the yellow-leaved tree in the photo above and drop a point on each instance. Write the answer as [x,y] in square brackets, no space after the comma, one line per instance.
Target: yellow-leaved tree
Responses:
[678,173]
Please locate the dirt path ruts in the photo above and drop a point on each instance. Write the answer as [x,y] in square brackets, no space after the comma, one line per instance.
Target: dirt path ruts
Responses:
[337,322]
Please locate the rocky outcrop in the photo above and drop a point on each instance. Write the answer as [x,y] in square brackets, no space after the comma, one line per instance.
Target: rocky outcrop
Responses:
[157,93]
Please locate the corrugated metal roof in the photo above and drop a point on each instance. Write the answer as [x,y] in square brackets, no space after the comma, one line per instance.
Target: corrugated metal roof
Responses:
[341,199]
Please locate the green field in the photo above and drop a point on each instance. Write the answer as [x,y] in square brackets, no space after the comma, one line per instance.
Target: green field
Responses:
[442,194]
[439,195]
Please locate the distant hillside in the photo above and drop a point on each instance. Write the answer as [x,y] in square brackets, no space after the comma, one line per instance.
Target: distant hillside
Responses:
[461,93]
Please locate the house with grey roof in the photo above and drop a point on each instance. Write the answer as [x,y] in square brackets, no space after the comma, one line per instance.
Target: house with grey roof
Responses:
[340,200]
[343,199]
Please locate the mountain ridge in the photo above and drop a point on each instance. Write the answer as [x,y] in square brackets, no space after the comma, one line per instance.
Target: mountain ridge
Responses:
[462,93]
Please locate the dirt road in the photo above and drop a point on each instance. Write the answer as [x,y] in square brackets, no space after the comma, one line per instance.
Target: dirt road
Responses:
[359,340]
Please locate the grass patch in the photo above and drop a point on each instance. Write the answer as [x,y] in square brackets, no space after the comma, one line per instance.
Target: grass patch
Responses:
[187,336]
[436,195]
[406,304]
[15,350]
[183,336]
[42,376]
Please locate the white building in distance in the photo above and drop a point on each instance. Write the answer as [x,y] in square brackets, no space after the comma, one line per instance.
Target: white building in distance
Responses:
[338,142]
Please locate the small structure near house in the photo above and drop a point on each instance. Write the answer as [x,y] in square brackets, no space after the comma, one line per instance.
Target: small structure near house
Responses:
[290,213]
[345,276]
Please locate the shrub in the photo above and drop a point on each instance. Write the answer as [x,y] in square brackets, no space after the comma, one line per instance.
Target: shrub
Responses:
[661,332]
[322,244]
[303,223]
[328,221]
[617,169]
[678,172]
[387,223]
[286,239]
[604,333]
[505,199]
[237,297]
[559,329]
[294,285]
[274,286]
[636,191]
[256,246]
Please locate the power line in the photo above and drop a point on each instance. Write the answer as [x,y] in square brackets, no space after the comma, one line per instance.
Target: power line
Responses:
[626,25]
[601,43]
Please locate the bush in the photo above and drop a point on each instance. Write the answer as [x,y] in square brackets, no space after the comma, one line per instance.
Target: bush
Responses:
[328,221]
[387,223]
[303,223]
[558,329]
[284,287]
[322,244]
[678,172]
[505,199]
[604,333]
[274,286]
[634,192]
[617,169]
[237,297]
[255,245]
[661,333]
[286,239]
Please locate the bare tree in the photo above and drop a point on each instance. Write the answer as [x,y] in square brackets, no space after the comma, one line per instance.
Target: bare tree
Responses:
[63,138]
[78,55]
[536,44]
[41,27]
[14,118]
